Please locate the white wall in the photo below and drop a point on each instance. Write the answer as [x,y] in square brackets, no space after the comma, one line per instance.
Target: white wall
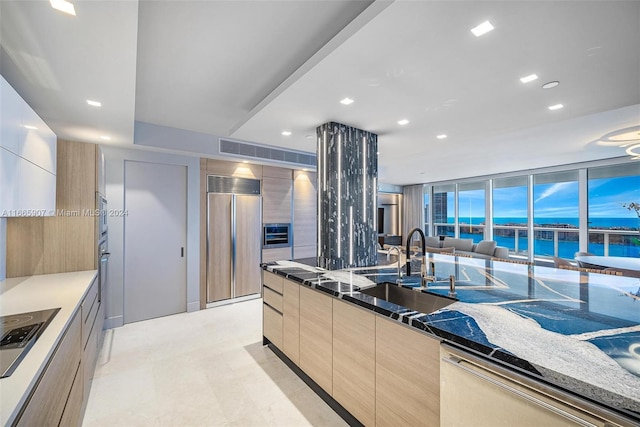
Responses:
[3,248]
[115,158]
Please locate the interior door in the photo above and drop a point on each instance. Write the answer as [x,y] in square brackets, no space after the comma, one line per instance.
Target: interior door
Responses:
[248,245]
[219,253]
[155,235]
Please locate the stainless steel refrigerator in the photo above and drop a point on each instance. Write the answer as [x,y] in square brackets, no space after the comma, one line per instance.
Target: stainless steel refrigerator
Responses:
[233,237]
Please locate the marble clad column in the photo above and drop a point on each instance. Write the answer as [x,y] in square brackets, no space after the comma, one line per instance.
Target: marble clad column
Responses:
[347,190]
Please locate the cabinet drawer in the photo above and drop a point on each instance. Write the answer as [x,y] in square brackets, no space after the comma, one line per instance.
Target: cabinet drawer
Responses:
[291,321]
[90,357]
[272,281]
[89,309]
[46,404]
[272,298]
[73,409]
[272,325]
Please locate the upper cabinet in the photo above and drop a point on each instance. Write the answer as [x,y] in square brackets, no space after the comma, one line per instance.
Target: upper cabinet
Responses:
[27,158]
[66,241]
[305,196]
[276,195]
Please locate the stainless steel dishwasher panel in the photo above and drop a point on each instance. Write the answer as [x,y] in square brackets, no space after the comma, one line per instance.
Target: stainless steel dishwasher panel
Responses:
[475,392]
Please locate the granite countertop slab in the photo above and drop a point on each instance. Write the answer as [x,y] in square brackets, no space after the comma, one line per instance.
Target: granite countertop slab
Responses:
[577,331]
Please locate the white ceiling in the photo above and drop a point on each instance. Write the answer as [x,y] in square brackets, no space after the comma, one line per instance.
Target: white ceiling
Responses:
[250,69]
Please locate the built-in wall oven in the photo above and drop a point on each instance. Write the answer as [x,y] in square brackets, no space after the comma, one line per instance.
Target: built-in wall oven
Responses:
[101,205]
[103,245]
[103,267]
[276,235]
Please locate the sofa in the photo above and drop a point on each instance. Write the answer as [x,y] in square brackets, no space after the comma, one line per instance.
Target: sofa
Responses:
[486,249]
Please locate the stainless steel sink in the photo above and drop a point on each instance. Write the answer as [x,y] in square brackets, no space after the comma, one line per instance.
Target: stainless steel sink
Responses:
[412,299]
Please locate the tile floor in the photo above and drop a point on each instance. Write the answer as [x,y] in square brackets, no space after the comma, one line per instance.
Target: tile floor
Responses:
[206,368]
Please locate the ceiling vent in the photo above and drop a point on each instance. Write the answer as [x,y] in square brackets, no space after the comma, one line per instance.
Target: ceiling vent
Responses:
[244,149]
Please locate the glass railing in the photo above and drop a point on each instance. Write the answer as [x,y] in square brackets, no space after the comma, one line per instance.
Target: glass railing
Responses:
[614,243]
[551,241]
[514,237]
[443,229]
[471,231]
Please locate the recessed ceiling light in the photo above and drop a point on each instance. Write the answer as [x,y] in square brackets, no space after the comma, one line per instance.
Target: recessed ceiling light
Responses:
[346,101]
[403,122]
[245,161]
[94,103]
[286,132]
[550,85]
[377,153]
[30,127]
[105,137]
[441,136]
[481,29]
[309,136]
[556,107]
[63,6]
[529,78]
[305,170]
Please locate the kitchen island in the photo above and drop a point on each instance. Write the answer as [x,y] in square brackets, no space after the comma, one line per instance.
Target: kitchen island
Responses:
[572,331]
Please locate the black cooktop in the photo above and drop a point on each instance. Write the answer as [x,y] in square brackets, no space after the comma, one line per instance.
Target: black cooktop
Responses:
[18,333]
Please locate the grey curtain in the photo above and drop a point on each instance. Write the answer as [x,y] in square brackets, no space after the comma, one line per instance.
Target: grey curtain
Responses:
[412,209]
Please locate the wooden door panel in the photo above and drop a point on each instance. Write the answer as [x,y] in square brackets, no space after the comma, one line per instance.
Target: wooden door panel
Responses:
[248,245]
[219,244]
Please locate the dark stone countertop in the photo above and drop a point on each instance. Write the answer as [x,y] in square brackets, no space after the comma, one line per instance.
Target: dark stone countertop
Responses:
[577,331]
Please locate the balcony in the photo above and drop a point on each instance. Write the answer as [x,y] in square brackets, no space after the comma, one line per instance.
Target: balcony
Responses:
[562,242]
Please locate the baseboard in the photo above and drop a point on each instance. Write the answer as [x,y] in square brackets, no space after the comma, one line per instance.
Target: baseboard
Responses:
[333,404]
[233,300]
[113,322]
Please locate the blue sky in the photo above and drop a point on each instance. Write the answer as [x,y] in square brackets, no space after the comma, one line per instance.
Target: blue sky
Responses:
[608,194]
[556,200]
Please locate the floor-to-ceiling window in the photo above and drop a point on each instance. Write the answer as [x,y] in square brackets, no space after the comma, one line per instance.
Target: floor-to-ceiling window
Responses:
[613,229]
[444,209]
[510,209]
[471,210]
[556,214]
[557,209]
[427,223]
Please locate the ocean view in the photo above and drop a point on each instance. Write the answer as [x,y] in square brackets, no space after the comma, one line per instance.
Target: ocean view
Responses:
[620,244]
[600,223]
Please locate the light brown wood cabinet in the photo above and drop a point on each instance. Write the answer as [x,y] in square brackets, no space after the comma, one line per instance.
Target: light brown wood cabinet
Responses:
[61,394]
[407,376]
[47,403]
[354,361]
[291,321]
[379,370]
[273,281]
[277,190]
[93,319]
[67,241]
[272,289]
[272,325]
[281,314]
[316,337]
[73,410]
[276,254]
[305,224]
